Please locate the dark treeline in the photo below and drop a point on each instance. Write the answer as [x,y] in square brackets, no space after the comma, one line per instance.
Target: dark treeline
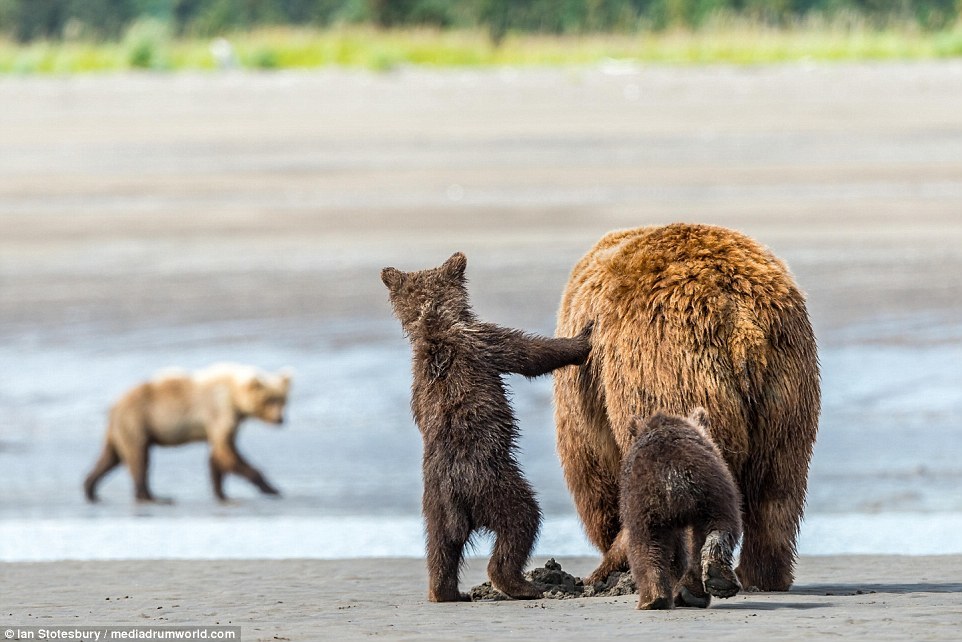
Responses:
[27,20]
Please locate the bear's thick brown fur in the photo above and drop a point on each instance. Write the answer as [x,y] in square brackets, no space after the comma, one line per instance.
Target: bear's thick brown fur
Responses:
[680,513]
[687,316]
[176,407]
[471,477]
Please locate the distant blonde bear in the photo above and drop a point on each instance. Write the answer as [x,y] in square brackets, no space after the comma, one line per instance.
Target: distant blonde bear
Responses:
[176,407]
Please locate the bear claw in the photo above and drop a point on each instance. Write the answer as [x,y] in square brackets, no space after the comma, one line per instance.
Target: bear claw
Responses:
[721,581]
[687,598]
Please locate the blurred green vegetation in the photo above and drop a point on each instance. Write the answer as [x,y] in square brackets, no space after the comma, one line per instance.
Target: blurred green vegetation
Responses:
[89,35]
[28,20]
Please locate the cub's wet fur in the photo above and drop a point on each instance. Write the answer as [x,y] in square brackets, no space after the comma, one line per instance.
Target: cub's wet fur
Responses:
[681,513]
[472,479]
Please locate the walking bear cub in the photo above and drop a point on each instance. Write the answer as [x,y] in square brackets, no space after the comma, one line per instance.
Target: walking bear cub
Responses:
[681,513]
[471,477]
[177,407]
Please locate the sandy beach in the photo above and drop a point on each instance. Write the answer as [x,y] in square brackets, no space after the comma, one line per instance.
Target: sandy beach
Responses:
[855,597]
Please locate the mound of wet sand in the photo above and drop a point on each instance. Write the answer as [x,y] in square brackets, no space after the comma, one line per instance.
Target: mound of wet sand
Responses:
[560,585]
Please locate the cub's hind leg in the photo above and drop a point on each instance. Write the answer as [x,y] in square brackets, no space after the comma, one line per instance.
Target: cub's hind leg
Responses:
[515,518]
[447,534]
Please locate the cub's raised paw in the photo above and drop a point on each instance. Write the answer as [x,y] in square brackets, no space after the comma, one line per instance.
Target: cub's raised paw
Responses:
[721,581]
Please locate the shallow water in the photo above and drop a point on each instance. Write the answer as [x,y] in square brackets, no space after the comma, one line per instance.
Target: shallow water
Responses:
[285,537]
[885,474]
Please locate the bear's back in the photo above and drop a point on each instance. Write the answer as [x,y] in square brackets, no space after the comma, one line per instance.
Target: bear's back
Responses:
[697,278]
[459,399]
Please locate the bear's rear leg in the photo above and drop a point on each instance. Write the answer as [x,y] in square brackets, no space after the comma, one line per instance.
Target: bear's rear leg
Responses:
[444,561]
[773,511]
[773,484]
[516,529]
[591,461]
[109,459]
[445,554]
[690,590]
[768,550]
[615,559]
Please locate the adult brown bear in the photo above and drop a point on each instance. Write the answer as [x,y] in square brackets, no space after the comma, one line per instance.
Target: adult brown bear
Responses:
[687,316]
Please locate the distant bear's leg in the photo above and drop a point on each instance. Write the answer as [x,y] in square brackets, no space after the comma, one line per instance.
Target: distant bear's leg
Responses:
[217,477]
[446,535]
[515,523]
[224,458]
[109,459]
[650,552]
[254,476]
[138,460]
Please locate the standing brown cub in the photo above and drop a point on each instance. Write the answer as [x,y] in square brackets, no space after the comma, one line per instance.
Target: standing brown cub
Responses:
[685,316]
[680,512]
[471,477]
[177,407]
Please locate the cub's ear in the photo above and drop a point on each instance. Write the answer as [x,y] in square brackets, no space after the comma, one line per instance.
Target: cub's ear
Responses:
[455,266]
[392,277]
[699,417]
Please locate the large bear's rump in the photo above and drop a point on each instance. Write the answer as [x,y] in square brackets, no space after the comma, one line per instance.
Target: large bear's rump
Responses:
[687,316]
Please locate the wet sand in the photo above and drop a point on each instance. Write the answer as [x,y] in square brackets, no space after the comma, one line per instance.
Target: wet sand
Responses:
[143,201]
[870,598]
